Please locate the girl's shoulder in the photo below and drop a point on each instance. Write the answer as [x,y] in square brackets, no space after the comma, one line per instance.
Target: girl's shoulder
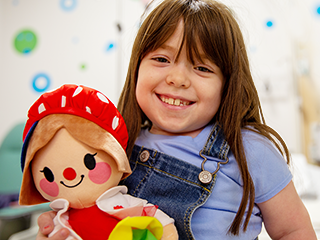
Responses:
[254,142]
[267,166]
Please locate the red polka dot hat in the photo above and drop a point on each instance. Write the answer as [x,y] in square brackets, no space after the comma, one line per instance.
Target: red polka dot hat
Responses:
[83,102]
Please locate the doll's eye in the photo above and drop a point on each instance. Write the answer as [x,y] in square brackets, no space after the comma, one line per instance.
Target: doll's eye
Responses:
[48,174]
[90,161]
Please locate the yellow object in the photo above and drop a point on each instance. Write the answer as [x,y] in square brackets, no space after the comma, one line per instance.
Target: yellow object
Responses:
[123,230]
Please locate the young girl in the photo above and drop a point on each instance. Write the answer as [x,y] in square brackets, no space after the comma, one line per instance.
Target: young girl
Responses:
[199,146]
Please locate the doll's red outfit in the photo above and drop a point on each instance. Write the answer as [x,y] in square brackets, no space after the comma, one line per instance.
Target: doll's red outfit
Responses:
[115,204]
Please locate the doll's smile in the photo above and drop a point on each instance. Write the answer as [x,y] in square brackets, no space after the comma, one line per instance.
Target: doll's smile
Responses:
[72,186]
[174,101]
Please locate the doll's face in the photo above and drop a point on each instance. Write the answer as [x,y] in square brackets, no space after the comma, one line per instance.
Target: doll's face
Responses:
[66,168]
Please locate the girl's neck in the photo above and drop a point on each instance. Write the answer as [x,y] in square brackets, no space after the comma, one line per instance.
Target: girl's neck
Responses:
[192,134]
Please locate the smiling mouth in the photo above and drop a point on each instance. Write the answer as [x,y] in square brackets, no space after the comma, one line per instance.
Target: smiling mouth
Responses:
[68,186]
[174,101]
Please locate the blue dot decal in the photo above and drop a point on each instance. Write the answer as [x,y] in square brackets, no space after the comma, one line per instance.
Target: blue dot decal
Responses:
[110,46]
[41,82]
[318,10]
[269,24]
[68,5]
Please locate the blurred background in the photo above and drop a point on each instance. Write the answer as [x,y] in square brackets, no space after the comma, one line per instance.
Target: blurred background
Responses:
[46,43]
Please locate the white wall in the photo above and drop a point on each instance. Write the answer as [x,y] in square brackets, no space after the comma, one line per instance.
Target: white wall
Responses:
[67,40]
[279,56]
[272,60]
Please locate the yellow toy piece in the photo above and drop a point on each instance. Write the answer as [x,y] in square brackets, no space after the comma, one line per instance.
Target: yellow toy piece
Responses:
[126,227]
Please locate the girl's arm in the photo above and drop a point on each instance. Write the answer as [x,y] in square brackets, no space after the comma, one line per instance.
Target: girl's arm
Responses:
[45,222]
[285,216]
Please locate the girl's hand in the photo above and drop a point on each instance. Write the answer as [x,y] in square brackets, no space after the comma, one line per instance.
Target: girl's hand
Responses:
[45,223]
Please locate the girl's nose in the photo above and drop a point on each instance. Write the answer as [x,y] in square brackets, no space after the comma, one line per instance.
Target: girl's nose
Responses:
[69,173]
[179,77]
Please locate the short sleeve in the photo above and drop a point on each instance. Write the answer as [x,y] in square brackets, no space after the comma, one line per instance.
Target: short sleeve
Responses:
[268,168]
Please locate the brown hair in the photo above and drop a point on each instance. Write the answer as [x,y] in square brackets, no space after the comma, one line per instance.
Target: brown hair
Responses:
[211,27]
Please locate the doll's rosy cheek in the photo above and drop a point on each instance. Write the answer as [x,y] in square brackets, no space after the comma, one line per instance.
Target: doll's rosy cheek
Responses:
[101,173]
[50,188]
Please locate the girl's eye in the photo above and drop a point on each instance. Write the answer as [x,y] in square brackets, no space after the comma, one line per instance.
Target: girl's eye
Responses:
[160,59]
[48,174]
[90,161]
[204,69]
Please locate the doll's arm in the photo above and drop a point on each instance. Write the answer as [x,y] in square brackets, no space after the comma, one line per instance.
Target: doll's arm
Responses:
[162,217]
[285,216]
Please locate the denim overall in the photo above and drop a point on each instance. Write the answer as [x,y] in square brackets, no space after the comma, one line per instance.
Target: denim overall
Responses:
[173,184]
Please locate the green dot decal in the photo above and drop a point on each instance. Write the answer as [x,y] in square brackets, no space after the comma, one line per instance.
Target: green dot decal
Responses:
[83,66]
[25,41]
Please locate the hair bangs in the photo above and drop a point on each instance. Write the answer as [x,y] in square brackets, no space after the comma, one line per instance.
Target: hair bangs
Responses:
[207,35]
[158,27]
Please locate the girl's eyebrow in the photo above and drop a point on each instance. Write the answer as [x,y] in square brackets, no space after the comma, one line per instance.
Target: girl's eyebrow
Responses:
[202,57]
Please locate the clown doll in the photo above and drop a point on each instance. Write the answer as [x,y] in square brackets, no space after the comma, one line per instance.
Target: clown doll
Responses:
[74,156]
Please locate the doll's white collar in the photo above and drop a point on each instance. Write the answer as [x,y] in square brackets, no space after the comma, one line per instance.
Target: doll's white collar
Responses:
[107,202]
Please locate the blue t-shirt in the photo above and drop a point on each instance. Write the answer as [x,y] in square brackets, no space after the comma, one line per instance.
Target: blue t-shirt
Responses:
[267,167]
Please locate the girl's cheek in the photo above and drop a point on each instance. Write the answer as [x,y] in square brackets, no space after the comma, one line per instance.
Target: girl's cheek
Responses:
[101,173]
[50,188]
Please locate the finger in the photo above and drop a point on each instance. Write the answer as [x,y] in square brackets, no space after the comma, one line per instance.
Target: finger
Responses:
[62,234]
[45,222]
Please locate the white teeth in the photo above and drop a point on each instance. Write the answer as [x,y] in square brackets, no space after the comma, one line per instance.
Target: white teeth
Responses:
[175,102]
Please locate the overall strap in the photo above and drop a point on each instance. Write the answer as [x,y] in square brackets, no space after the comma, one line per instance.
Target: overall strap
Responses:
[216,145]
[170,183]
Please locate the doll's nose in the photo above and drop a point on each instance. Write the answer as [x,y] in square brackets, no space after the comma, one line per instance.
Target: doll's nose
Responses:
[69,173]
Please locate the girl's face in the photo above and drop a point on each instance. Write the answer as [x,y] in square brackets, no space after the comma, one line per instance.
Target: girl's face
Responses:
[66,168]
[177,96]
